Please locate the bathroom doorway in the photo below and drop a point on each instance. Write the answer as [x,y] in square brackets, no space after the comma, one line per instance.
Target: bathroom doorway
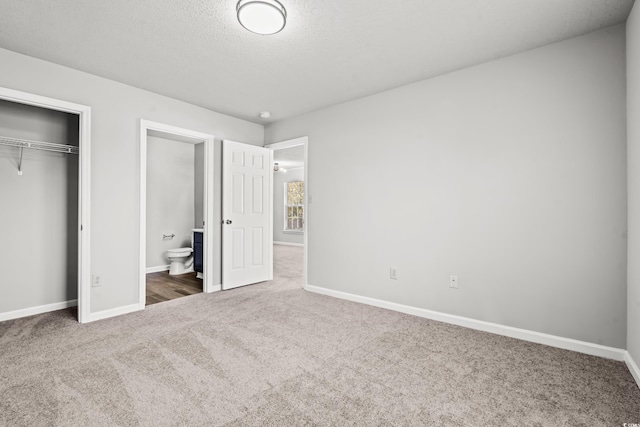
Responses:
[176,178]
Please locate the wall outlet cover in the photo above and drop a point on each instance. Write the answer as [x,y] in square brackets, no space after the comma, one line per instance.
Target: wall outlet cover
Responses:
[453,282]
[96,281]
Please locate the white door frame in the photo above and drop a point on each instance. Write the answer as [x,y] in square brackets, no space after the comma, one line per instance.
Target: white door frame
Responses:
[209,252]
[303,140]
[84,186]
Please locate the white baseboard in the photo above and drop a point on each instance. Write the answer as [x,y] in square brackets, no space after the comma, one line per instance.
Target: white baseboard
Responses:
[118,311]
[288,244]
[158,269]
[16,314]
[633,367]
[495,328]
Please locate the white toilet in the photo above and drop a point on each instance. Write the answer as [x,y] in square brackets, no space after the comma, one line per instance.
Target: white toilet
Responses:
[181,260]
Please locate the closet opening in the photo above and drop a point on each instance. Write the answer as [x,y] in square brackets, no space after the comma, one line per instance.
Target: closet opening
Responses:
[42,181]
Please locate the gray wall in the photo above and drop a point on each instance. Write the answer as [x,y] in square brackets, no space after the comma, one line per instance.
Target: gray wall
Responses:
[115,159]
[279,178]
[633,155]
[510,174]
[39,210]
[198,163]
[170,197]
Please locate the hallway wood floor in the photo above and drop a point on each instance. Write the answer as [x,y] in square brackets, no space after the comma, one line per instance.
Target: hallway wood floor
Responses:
[163,287]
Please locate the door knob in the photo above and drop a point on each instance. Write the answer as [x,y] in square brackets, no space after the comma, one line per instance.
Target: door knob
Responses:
[228,221]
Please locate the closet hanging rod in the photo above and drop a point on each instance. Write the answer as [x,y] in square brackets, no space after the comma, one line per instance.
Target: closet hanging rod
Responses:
[38,145]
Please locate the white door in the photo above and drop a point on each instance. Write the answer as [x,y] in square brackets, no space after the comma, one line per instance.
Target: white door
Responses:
[247,241]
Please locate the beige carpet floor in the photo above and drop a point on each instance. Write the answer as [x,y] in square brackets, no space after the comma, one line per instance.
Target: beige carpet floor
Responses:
[272,354]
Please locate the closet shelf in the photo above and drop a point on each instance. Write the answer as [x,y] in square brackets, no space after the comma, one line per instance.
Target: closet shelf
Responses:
[38,145]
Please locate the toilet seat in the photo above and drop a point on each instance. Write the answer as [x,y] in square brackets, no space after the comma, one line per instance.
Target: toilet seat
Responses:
[179,252]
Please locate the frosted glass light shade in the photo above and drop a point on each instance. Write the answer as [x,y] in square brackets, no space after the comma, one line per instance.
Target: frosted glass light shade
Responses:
[261,16]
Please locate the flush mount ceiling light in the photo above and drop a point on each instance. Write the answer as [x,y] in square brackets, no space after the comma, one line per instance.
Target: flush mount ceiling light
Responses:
[262,16]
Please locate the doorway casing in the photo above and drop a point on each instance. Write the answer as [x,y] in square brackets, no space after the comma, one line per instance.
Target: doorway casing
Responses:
[209,252]
[304,141]
[84,186]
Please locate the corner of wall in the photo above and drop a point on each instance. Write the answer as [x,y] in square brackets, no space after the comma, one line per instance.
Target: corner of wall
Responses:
[633,186]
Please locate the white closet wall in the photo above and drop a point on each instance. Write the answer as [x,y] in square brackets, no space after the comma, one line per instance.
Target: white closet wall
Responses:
[38,210]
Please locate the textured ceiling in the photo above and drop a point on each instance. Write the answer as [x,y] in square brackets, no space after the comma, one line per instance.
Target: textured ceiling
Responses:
[331,51]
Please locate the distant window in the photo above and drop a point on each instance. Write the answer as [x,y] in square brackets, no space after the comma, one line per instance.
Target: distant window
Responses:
[294,206]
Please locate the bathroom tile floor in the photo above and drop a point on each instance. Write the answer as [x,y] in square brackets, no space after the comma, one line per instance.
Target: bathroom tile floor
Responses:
[163,287]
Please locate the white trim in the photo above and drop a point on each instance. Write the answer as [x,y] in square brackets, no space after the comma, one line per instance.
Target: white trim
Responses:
[303,140]
[84,267]
[495,328]
[270,211]
[142,250]
[633,367]
[24,312]
[118,311]
[158,269]
[288,244]
[84,185]
[288,144]
[210,252]
[208,248]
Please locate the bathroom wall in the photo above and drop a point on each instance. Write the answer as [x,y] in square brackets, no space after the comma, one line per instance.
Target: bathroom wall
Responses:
[170,197]
[38,210]
[279,179]
[198,165]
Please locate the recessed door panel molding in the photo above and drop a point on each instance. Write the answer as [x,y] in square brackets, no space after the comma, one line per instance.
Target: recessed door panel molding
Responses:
[237,158]
[257,258]
[238,193]
[258,200]
[238,248]
[258,161]
[247,242]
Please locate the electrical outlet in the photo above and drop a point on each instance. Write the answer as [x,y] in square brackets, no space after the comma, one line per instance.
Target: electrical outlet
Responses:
[96,281]
[453,282]
[393,274]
